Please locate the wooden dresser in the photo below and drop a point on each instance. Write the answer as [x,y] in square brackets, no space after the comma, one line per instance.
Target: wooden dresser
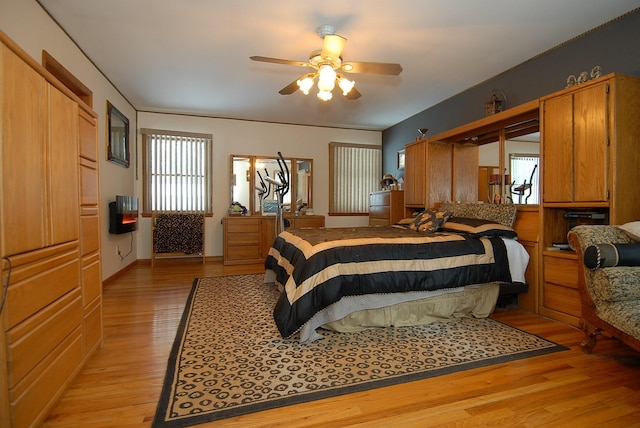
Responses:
[386,207]
[247,239]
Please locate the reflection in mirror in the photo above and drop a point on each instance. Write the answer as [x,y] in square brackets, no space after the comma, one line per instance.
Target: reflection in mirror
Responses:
[266,197]
[489,159]
[258,195]
[523,160]
[518,182]
[303,180]
[240,180]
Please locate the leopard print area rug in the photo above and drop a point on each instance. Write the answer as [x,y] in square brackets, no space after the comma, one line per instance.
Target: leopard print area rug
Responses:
[228,358]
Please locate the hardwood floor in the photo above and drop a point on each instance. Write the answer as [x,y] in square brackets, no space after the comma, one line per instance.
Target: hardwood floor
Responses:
[121,383]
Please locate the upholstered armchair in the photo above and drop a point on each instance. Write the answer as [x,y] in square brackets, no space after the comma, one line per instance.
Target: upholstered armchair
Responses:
[609,282]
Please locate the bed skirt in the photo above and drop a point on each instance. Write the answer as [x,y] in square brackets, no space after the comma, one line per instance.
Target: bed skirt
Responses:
[354,313]
[475,301]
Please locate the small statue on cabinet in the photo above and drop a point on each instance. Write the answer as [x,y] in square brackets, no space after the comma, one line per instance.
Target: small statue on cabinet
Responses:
[388,182]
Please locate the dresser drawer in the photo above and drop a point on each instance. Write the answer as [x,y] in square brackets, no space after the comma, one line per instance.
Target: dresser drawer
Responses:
[243,225]
[88,183]
[35,338]
[562,299]
[561,271]
[243,252]
[247,238]
[91,281]
[379,198]
[89,232]
[45,384]
[92,326]
[44,281]
[379,211]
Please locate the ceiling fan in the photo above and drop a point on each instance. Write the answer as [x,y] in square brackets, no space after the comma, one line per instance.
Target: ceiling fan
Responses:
[327,65]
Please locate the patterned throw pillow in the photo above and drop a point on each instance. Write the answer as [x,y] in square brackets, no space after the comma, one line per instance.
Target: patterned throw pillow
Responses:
[499,213]
[478,227]
[407,221]
[429,221]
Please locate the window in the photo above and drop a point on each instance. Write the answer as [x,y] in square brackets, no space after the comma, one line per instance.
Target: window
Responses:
[524,176]
[177,171]
[354,171]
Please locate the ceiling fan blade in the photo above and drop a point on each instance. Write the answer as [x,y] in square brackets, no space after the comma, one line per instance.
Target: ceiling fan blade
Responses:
[332,46]
[372,68]
[290,88]
[353,94]
[279,61]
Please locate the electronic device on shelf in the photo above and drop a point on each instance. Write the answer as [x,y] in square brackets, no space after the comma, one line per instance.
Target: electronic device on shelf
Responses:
[593,215]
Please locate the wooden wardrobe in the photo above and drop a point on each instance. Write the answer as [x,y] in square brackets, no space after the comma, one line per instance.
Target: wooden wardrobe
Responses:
[51,320]
[590,170]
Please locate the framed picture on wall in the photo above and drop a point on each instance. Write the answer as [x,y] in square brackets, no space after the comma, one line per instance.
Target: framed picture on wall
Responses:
[401,159]
[118,136]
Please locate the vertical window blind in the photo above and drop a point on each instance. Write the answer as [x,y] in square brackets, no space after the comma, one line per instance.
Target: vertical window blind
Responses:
[356,170]
[177,172]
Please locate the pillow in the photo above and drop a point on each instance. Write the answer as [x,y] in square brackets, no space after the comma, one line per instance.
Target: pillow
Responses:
[609,255]
[499,213]
[477,227]
[429,221]
[632,230]
[407,221]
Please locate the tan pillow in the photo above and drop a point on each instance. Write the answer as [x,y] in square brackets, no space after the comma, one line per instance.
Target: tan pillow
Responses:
[632,230]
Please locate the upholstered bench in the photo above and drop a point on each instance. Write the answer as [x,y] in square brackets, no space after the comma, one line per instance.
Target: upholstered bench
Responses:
[609,282]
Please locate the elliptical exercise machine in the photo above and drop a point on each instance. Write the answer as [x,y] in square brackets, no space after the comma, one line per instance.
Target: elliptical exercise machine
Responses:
[280,189]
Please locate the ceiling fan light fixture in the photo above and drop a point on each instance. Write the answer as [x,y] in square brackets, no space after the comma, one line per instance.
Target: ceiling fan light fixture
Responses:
[333,46]
[326,78]
[326,63]
[325,95]
[345,84]
[306,83]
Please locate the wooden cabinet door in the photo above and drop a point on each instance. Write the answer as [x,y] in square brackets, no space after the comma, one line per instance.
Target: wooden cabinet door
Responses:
[414,174]
[88,147]
[557,156]
[23,144]
[590,154]
[63,167]
[439,172]
[465,158]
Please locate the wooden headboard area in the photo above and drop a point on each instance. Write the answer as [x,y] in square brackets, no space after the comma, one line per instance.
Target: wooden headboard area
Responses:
[500,213]
[448,163]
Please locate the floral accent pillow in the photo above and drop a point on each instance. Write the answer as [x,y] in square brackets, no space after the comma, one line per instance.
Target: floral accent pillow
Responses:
[429,221]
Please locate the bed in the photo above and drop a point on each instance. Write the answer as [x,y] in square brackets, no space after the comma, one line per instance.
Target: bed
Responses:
[439,264]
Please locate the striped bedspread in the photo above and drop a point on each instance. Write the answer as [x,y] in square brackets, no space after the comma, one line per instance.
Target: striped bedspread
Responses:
[317,267]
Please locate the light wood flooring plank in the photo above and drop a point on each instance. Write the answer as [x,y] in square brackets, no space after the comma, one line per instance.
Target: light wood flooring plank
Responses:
[121,383]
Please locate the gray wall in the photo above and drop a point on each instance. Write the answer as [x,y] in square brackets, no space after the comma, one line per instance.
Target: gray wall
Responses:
[615,47]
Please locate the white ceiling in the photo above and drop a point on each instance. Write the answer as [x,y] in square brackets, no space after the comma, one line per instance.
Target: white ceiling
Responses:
[192,56]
